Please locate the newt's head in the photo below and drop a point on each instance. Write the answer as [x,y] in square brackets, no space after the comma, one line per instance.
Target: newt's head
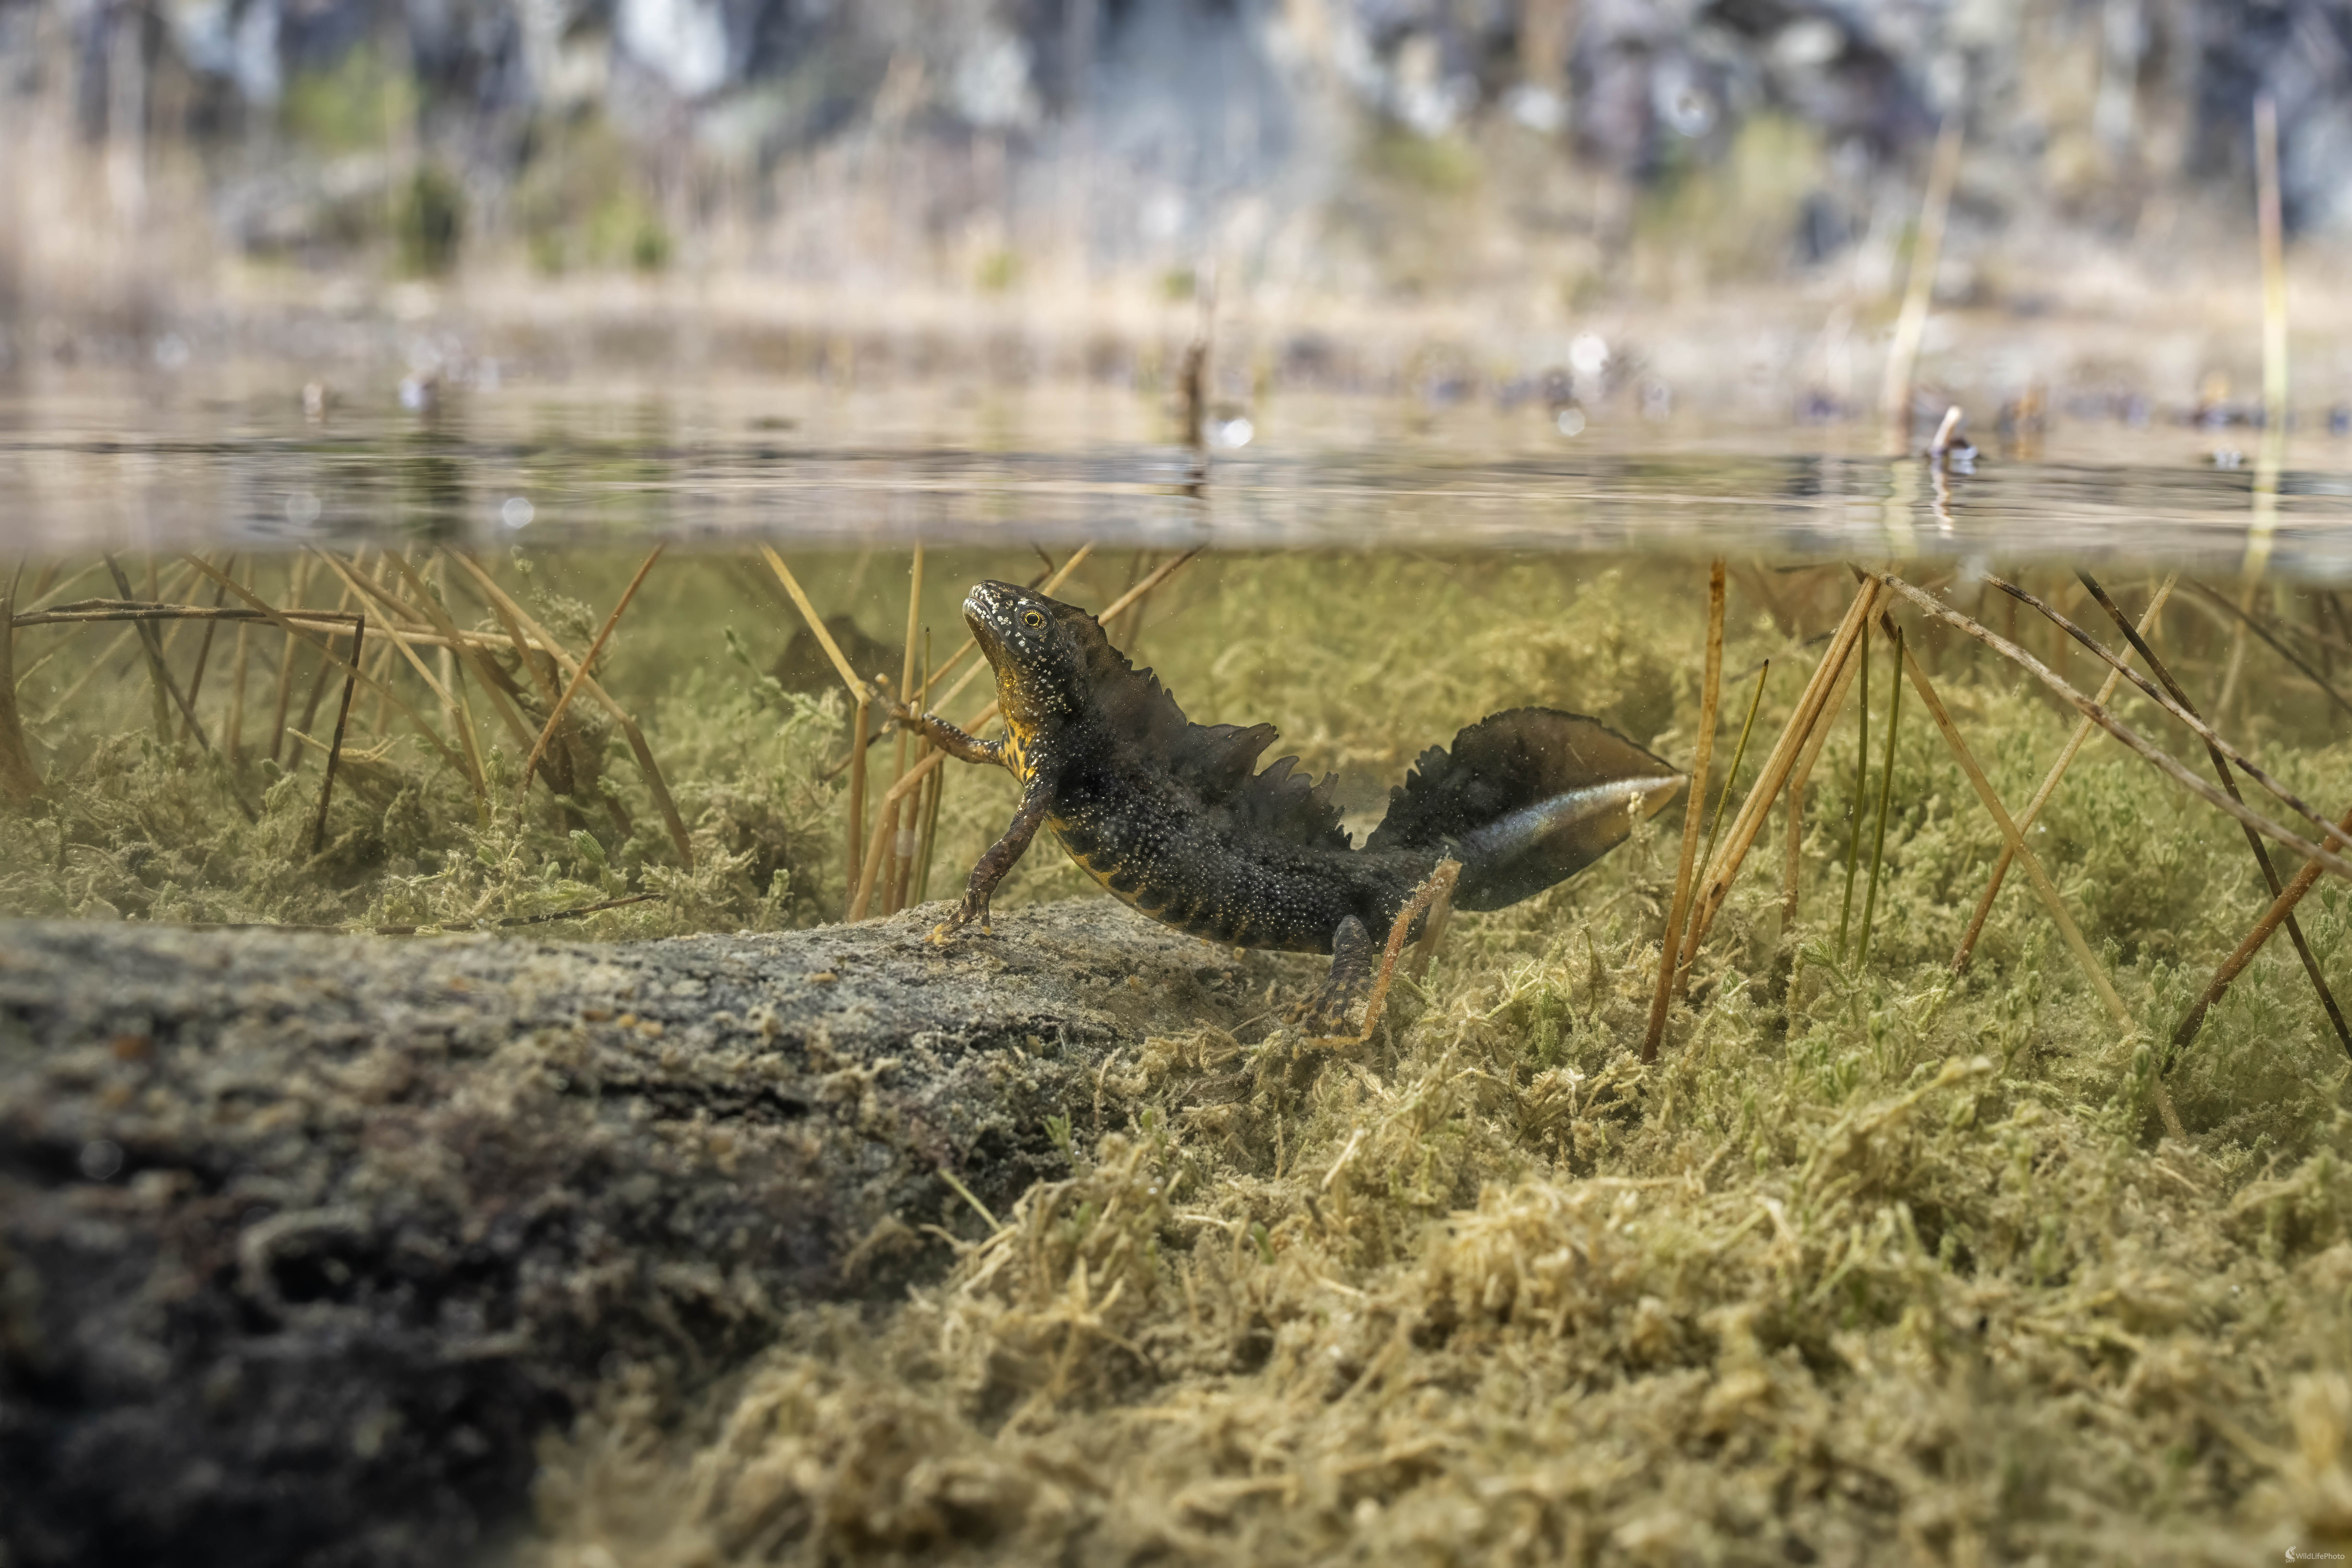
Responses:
[1047,655]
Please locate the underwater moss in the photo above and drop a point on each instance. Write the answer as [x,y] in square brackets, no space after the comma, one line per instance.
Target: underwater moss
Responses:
[1875,1262]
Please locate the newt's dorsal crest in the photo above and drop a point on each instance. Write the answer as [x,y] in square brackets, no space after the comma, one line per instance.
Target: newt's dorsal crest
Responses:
[1057,670]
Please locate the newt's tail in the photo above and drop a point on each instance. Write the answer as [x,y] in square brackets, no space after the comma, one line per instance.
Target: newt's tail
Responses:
[1525,798]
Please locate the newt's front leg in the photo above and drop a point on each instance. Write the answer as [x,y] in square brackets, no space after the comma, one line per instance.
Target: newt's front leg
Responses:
[963,748]
[1036,796]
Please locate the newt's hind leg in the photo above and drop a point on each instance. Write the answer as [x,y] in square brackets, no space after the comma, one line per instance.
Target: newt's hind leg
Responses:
[998,859]
[1423,915]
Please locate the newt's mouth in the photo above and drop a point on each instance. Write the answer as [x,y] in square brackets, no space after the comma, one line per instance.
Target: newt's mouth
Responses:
[982,607]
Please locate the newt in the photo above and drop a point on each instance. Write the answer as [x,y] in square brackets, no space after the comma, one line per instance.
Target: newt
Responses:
[1176,819]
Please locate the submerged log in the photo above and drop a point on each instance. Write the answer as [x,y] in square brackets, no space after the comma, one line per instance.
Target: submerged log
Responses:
[304,1240]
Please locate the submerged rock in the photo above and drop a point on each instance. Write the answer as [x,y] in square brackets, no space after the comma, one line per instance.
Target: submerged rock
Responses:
[305,1239]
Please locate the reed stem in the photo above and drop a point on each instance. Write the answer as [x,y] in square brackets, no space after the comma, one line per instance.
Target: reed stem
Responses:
[2082,728]
[342,717]
[1693,812]
[2204,732]
[1918,294]
[657,786]
[20,780]
[1731,778]
[580,672]
[1885,797]
[2131,738]
[2233,966]
[1854,811]
[2253,840]
[861,717]
[2009,830]
[1783,756]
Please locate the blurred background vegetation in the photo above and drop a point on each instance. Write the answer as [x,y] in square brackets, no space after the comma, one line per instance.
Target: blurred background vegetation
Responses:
[1497,169]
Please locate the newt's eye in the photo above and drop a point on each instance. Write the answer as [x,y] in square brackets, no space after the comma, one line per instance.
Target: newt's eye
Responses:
[1032,618]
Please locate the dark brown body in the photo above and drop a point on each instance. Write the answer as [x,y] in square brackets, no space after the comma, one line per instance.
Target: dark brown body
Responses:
[1157,845]
[1174,819]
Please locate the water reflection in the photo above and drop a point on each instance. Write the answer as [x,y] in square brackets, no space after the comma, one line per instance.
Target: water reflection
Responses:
[94,465]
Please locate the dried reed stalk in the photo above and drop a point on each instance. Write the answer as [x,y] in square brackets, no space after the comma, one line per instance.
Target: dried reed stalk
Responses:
[291,623]
[1792,871]
[429,608]
[646,767]
[1434,895]
[1739,755]
[1861,784]
[510,618]
[1193,380]
[862,717]
[296,590]
[54,587]
[572,688]
[2042,885]
[377,576]
[205,654]
[460,715]
[899,852]
[1810,706]
[342,717]
[2248,621]
[164,693]
[2270,456]
[2082,728]
[1911,324]
[859,867]
[935,787]
[405,642]
[1133,596]
[2009,830]
[878,848]
[1694,813]
[2253,840]
[2271,226]
[20,780]
[858,689]
[2125,733]
[344,600]
[1886,798]
[2204,732]
[91,612]
[910,836]
[2233,966]
[234,741]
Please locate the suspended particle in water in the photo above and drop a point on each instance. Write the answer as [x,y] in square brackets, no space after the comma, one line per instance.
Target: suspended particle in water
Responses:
[302,508]
[100,1158]
[516,513]
[1570,421]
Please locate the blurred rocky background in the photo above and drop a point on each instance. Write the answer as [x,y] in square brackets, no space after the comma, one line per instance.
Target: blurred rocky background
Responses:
[898,162]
